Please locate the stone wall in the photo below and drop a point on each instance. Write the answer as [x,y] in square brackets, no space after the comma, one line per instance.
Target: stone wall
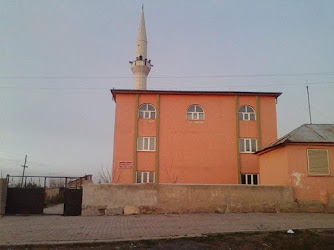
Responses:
[100,199]
[3,195]
[111,199]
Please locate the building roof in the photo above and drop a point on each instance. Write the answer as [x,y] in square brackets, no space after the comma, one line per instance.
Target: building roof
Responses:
[307,133]
[114,92]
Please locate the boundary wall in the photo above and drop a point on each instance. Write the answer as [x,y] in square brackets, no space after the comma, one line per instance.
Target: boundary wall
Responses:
[113,199]
[3,196]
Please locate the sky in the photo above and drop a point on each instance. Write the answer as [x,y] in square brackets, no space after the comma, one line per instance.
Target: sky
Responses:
[59,60]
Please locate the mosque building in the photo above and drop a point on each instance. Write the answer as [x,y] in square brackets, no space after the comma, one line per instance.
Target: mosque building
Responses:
[194,137]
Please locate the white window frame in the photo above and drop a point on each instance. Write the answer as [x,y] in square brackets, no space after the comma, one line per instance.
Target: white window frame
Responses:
[249,140]
[142,147]
[246,116]
[146,113]
[142,177]
[252,179]
[195,114]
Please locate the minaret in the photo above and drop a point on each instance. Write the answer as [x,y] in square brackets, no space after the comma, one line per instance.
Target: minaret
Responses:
[141,66]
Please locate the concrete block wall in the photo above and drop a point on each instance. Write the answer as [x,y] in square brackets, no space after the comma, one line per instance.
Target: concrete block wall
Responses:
[3,195]
[109,199]
[224,198]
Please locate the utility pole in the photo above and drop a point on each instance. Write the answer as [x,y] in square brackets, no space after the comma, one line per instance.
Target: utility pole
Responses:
[309,105]
[24,168]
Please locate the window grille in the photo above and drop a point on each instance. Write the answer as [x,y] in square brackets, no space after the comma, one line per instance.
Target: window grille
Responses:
[318,162]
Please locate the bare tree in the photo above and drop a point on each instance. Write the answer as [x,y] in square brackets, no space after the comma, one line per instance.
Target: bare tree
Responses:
[172,173]
[55,183]
[116,175]
[105,176]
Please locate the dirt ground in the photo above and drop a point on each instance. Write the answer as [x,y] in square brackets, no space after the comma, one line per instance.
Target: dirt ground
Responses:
[301,239]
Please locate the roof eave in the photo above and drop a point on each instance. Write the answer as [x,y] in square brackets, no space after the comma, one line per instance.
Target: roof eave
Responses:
[271,148]
[113,95]
[182,92]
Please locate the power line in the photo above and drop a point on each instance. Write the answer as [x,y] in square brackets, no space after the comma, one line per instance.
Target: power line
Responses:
[217,87]
[199,76]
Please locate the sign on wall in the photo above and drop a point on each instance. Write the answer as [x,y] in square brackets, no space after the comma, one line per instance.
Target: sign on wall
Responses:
[125,164]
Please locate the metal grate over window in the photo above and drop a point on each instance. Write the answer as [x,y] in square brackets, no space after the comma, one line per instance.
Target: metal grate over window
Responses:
[318,162]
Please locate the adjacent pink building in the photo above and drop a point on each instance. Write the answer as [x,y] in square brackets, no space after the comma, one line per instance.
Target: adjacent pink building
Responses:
[303,159]
[191,136]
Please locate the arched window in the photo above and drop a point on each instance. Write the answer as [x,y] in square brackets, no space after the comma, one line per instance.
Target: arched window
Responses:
[195,112]
[147,111]
[246,113]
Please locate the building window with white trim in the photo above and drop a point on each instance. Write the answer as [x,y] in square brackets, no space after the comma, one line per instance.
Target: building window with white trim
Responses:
[146,143]
[246,113]
[195,112]
[147,111]
[247,145]
[250,179]
[144,177]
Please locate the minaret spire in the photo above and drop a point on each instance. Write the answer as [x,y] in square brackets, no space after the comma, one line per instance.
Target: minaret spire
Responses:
[141,66]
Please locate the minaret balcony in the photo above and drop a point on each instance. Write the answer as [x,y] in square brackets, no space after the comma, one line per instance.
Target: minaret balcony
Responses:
[146,63]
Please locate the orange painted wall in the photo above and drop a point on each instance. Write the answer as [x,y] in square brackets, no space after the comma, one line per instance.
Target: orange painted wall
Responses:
[124,137]
[274,168]
[288,166]
[203,152]
[268,120]
[198,151]
[307,187]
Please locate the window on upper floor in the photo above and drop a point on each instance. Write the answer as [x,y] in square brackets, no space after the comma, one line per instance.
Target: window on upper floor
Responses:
[145,177]
[247,145]
[246,113]
[318,162]
[250,179]
[195,112]
[145,143]
[147,111]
